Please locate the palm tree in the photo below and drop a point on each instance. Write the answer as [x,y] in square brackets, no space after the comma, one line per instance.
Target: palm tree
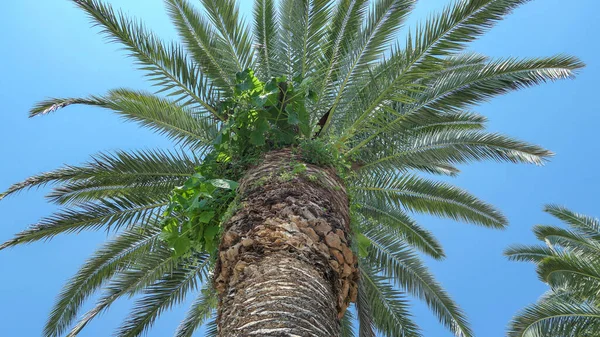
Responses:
[298,148]
[569,262]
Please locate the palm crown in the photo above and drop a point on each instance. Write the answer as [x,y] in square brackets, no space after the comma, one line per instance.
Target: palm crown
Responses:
[384,109]
[568,263]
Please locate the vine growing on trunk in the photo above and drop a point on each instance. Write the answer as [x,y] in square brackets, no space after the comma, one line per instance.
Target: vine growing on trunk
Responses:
[260,117]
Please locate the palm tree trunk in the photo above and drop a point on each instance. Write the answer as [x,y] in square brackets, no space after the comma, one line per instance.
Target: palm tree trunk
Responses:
[285,267]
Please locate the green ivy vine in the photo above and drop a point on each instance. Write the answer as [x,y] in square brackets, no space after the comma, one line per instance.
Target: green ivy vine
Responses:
[259,117]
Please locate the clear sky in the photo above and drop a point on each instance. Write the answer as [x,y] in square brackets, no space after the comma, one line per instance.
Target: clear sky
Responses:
[48,49]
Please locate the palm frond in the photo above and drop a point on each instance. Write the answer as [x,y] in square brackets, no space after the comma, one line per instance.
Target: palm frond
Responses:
[345,23]
[524,253]
[456,147]
[145,271]
[402,266]
[569,264]
[414,134]
[161,115]
[108,260]
[585,224]
[557,315]
[346,328]
[168,66]
[233,38]
[212,328]
[74,194]
[441,35]
[567,239]
[383,20]
[201,310]
[110,215]
[571,271]
[389,307]
[425,196]
[382,74]
[399,224]
[443,121]
[265,35]
[366,326]
[457,90]
[301,40]
[198,37]
[456,25]
[168,291]
[117,169]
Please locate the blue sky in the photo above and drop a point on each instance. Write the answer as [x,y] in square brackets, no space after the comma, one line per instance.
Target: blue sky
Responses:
[48,49]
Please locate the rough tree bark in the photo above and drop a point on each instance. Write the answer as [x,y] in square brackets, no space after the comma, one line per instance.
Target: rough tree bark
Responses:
[285,267]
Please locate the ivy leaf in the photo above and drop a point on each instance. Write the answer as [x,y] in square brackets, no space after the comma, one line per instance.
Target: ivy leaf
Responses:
[181,245]
[247,81]
[271,86]
[170,231]
[257,136]
[293,117]
[210,237]
[206,216]
[224,183]
[271,93]
[282,138]
[192,183]
[363,244]
[297,115]
[260,101]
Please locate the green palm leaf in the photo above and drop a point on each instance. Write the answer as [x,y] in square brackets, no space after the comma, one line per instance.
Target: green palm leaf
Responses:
[424,196]
[585,224]
[383,20]
[168,66]
[557,315]
[345,23]
[346,324]
[108,260]
[265,34]
[233,38]
[166,292]
[118,169]
[569,264]
[146,270]
[571,271]
[441,35]
[456,147]
[399,263]
[163,116]
[398,223]
[366,326]
[456,90]
[201,310]
[91,216]
[528,253]
[570,240]
[303,28]
[198,37]
[389,307]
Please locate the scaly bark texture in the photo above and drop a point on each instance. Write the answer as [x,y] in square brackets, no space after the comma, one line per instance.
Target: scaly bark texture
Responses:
[285,267]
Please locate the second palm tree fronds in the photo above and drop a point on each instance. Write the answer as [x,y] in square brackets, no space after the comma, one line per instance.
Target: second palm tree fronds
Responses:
[569,262]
